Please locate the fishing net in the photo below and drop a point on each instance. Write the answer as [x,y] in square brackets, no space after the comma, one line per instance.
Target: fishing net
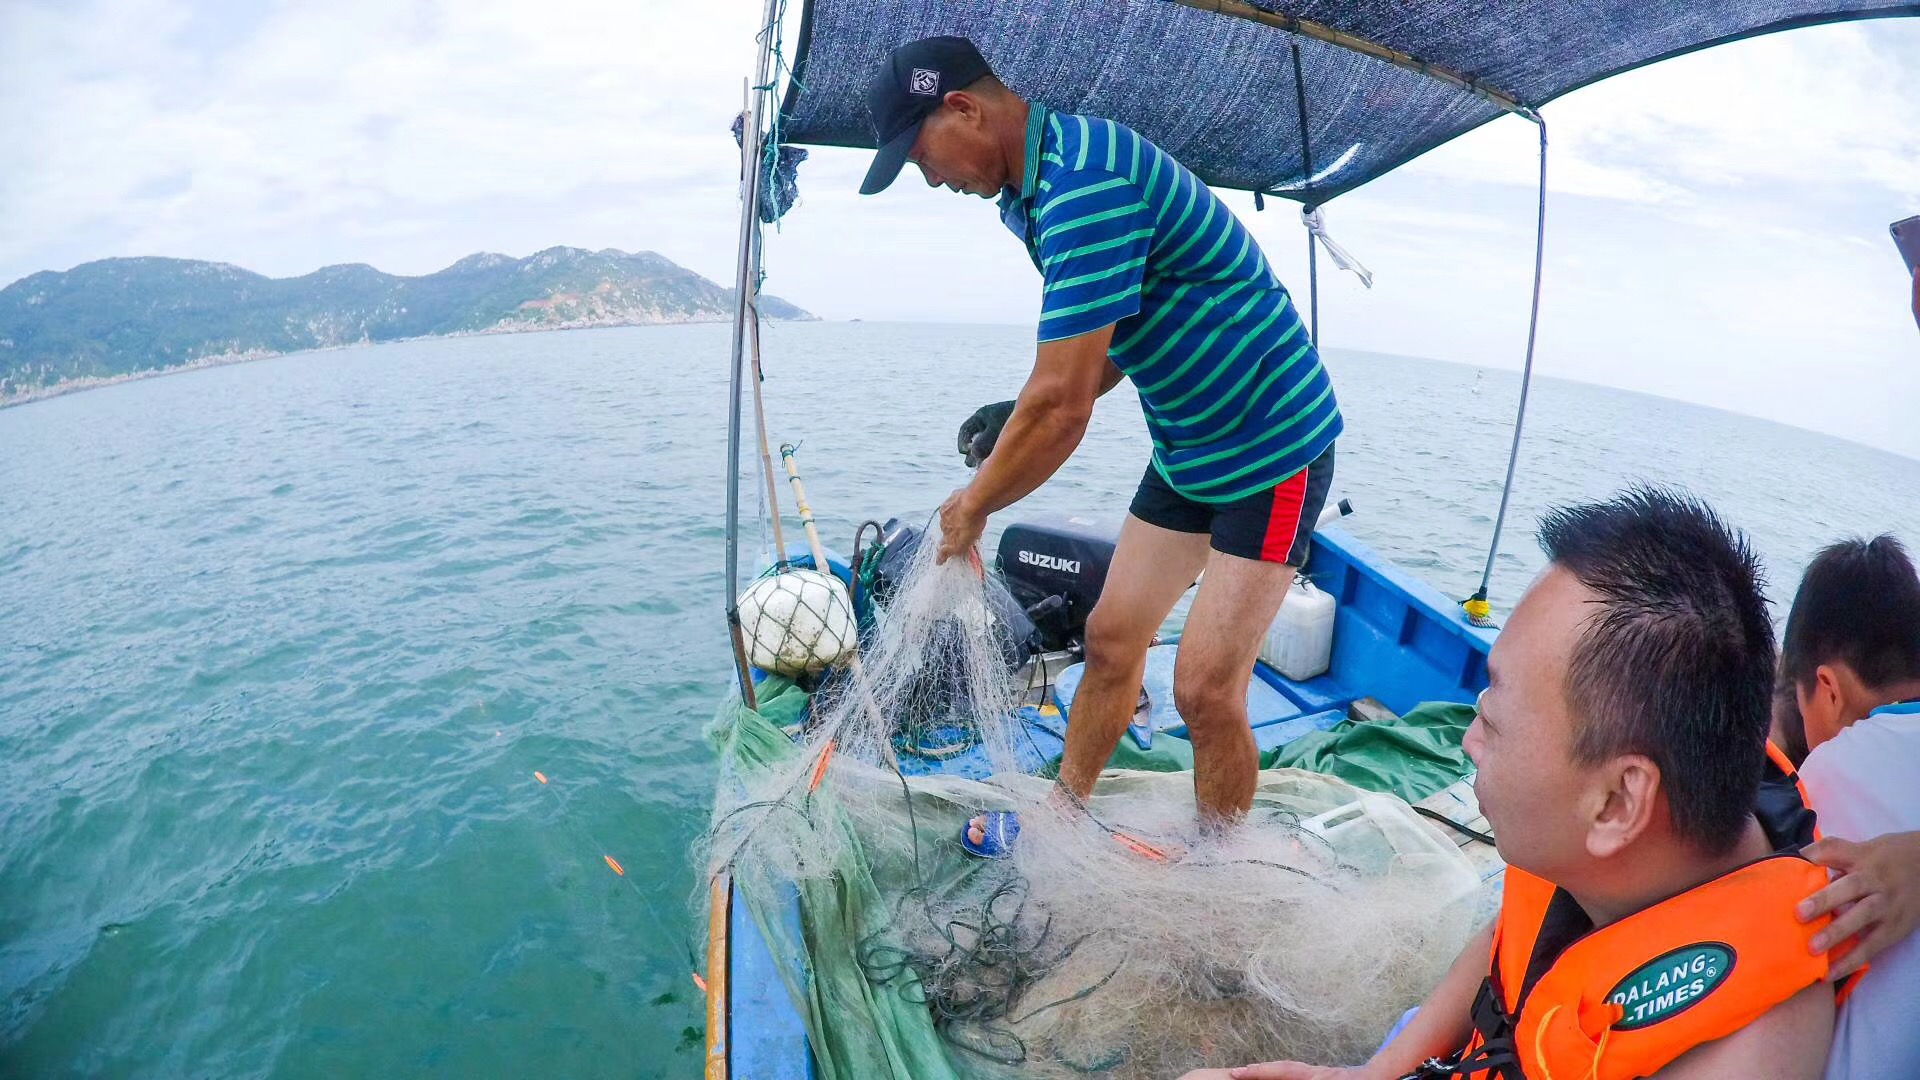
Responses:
[1118,940]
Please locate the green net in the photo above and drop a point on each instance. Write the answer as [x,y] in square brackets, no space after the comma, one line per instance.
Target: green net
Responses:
[855,1029]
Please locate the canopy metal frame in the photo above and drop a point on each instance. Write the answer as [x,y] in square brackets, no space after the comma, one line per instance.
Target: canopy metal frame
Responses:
[1239,9]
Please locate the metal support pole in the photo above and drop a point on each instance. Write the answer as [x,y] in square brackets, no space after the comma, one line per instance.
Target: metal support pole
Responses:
[1313,288]
[746,280]
[719,1055]
[1306,170]
[1479,611]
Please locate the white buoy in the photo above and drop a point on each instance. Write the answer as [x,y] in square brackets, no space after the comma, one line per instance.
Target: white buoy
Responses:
[797,622]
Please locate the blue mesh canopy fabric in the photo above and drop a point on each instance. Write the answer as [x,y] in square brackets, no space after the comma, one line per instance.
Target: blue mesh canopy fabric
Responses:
[1220,92]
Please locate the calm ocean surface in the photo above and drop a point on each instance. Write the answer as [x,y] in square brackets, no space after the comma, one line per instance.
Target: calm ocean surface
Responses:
[282,644]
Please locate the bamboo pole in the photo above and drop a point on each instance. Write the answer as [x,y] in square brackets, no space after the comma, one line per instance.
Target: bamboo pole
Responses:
[766,456]
[787,450]
[719,959]
[819,550]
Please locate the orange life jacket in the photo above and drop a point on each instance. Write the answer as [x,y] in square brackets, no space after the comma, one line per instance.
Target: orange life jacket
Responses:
[1782,804]
[1563,1001]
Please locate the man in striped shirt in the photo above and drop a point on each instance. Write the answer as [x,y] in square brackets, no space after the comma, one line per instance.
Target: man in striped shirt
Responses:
[1148,277]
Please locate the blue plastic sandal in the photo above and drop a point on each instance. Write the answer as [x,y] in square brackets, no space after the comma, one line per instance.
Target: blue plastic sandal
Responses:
[999,829]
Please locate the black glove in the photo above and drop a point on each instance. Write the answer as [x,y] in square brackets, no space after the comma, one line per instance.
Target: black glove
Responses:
[982,430]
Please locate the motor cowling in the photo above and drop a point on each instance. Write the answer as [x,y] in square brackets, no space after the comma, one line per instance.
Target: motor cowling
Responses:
[1055,566]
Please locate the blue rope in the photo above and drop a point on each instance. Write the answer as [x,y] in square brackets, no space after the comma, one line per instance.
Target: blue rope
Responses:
[779,188]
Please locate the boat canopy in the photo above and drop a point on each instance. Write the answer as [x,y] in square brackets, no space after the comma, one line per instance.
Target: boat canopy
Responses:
[1228,86]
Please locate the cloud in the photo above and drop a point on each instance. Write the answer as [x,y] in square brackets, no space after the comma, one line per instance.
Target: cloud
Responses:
[293,123]
[1717,222]
[1824,105]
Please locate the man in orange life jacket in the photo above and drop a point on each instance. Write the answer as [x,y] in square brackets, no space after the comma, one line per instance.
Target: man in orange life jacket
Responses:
[1647,926]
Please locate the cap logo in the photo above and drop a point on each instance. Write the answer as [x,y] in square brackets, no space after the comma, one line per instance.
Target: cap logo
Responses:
[925,83]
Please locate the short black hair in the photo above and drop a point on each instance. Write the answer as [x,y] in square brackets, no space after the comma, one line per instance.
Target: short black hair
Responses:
[1678,662]
[1789,727]
[1859,604]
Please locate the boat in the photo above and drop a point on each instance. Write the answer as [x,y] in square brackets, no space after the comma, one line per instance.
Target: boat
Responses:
[1288,101]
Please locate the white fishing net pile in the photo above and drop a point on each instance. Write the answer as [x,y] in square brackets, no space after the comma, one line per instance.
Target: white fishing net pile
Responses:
[1117,941]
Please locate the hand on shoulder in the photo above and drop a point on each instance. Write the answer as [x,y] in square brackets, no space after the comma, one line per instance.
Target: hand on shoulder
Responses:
[1875,902]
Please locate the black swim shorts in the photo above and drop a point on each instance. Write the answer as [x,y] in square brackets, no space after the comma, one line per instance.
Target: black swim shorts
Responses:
[1275,525]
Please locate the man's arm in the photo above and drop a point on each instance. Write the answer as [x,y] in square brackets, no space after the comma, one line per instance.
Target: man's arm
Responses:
[979,431]
[1445,1019]
[1442,1026]
[1048,420]
[1787,1042]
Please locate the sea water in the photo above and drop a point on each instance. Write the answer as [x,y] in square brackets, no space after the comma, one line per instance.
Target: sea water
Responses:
[283,644]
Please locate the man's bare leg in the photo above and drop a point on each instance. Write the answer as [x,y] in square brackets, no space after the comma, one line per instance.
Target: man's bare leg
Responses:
[1152,568]
[1229,620]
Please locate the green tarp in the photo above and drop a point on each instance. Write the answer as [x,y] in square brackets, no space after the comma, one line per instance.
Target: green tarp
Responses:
[1412,756]
[857,1030]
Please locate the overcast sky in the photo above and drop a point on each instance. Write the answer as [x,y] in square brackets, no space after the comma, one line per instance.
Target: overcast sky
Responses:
[1718,223]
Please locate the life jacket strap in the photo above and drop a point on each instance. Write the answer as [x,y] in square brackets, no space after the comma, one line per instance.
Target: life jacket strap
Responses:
[1494,1057]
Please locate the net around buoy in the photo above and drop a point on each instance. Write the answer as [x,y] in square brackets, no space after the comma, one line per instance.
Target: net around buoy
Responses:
[796,622]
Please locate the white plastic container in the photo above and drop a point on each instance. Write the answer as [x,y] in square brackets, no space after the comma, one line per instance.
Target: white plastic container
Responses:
[1300,641]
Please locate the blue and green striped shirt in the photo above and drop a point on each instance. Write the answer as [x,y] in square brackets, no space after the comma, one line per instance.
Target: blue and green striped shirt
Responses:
[1234,394]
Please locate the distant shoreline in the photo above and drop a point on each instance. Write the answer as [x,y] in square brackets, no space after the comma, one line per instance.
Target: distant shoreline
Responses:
[74,386]
[95,382]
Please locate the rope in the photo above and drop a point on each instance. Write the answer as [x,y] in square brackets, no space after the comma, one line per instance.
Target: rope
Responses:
[588,841]
[1435,815]
[1477,607]
[746,333]
[779,187]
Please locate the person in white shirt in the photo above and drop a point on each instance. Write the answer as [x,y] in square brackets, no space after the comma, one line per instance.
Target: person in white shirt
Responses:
[1851,663]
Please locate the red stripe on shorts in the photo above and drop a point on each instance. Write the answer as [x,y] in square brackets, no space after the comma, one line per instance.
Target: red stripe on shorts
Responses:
[1283,520]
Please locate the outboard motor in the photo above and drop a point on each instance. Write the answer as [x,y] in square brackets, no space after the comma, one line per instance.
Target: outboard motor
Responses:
[1055,567]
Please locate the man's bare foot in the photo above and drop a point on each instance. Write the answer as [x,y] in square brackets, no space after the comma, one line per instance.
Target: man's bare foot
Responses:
[981,827]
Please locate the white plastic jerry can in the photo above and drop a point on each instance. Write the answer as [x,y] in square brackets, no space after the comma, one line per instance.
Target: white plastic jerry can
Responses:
[1300,641]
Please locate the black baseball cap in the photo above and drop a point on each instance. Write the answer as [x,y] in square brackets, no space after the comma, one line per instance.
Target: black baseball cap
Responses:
[912,82]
